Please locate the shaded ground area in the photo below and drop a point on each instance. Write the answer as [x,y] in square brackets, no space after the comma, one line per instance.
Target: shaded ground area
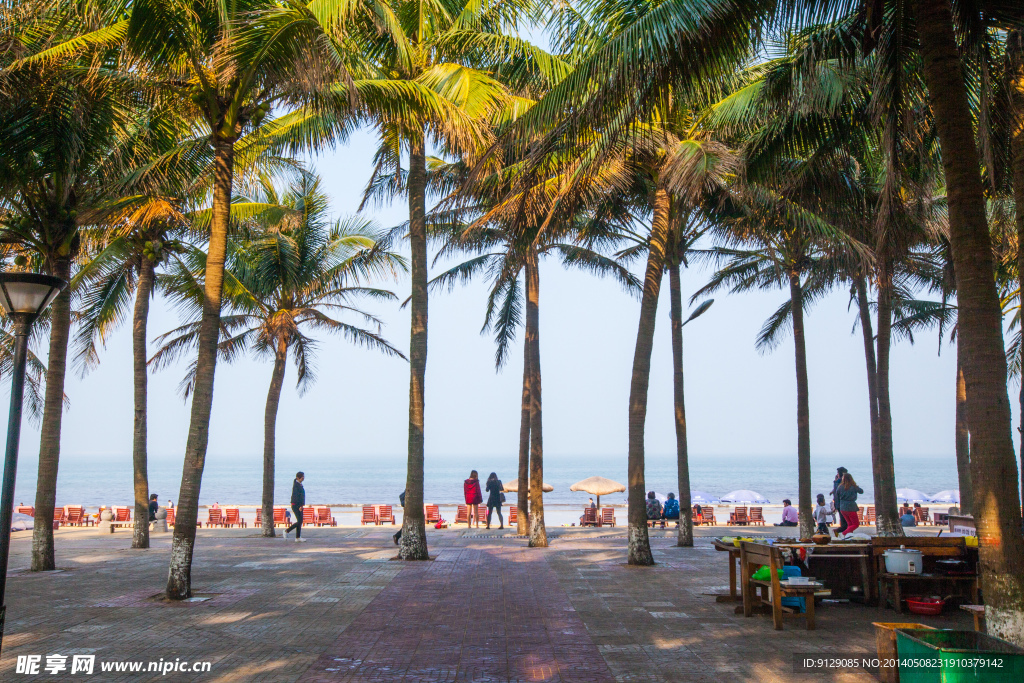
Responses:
[338,608]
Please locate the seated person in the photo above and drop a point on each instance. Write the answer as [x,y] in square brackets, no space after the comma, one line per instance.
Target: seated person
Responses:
[907,518]
[789,515]
[654,508]
[671,508]
[154,506]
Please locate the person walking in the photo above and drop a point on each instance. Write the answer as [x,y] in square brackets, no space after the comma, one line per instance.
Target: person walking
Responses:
[471,490]
[401,501]
[821,515]
[840,471]
[848,491]
[298,500]
[495,498]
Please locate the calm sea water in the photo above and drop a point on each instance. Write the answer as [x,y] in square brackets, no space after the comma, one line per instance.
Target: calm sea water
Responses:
[352,480]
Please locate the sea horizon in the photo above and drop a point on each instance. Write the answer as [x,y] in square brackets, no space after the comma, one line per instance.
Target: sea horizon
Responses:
[345,480]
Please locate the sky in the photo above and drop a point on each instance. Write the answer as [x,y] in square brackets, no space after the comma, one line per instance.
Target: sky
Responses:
[739,401]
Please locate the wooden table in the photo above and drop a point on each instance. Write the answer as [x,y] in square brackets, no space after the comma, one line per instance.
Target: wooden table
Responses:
[734,558]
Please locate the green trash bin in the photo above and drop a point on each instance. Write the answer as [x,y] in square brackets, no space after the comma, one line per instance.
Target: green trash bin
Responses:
[957,657]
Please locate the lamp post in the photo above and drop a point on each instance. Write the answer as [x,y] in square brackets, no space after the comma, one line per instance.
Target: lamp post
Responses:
[23,296]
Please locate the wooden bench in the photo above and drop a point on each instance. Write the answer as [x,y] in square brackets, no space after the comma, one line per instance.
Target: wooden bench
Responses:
[170,517]
[931,548]
[280,516]
[26,510]
[757,516]
[462,514]
[215,517]
[481,514]
[771,592]
[589,517]
[513,515]
[607,516]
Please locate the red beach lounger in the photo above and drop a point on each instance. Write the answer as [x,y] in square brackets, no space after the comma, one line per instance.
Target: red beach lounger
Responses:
[513,515]
[385,514]
[369,515]
[462,514]
[232,517]
[431,514]
[324,517]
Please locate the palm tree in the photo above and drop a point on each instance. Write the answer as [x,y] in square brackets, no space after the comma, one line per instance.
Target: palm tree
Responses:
[289,270]
[500,227]
[125,265]
[236,66]
[65,126]
[434,67]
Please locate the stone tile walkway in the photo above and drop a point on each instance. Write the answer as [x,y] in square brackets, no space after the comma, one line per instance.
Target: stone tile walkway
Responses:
[339,608]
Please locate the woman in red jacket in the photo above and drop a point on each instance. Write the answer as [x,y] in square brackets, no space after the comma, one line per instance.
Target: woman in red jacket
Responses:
[471,489]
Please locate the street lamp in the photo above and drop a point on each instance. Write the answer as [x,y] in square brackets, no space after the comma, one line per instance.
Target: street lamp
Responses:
[23,296]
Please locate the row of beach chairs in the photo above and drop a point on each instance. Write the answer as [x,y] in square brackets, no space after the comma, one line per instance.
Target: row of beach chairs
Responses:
[591,517]
[319,515]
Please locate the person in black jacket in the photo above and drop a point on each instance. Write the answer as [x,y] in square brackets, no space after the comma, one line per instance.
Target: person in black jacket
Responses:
[494,488]
[154,507]
[298,500]
[401,500]
[840,471]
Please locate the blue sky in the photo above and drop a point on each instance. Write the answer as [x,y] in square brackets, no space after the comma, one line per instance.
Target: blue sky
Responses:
[738,401]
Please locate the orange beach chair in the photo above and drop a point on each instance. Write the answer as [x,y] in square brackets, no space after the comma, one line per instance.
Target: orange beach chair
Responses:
[369,515]
[385,513]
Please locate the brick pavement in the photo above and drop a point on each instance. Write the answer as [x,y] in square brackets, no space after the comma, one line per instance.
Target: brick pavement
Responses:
[339,608]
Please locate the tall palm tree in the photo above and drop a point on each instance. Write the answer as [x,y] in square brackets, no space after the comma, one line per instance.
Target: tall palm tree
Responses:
[782,242]
[434,68]
[290,269]
[500,227]
[237,66]
[65,125]
[124,266]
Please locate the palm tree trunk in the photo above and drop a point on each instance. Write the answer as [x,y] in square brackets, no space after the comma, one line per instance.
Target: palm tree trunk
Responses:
[963,440]
[523,493]
[270,435]
[538,533]
[887,517]
[414,528]
[803,411]
[140,320]
[639,542]
[872,368]
[53,408]
[685,535]
[179,575]
[993,463]
[1015,54]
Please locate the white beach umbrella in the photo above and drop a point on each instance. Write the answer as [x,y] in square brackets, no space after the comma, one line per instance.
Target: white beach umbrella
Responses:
[699,497]
[744,496]
[598,486]
[513,487]
[912,496]
[950,496]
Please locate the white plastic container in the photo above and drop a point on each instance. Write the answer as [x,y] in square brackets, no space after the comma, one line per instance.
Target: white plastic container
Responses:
[903,561]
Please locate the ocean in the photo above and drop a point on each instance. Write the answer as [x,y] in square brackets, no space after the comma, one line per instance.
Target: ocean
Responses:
[351,480]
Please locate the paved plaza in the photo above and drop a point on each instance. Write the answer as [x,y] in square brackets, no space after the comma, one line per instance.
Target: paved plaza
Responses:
[340,608]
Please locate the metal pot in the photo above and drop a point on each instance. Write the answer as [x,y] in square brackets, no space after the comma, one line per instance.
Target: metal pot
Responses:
[952,566]
[903,561]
